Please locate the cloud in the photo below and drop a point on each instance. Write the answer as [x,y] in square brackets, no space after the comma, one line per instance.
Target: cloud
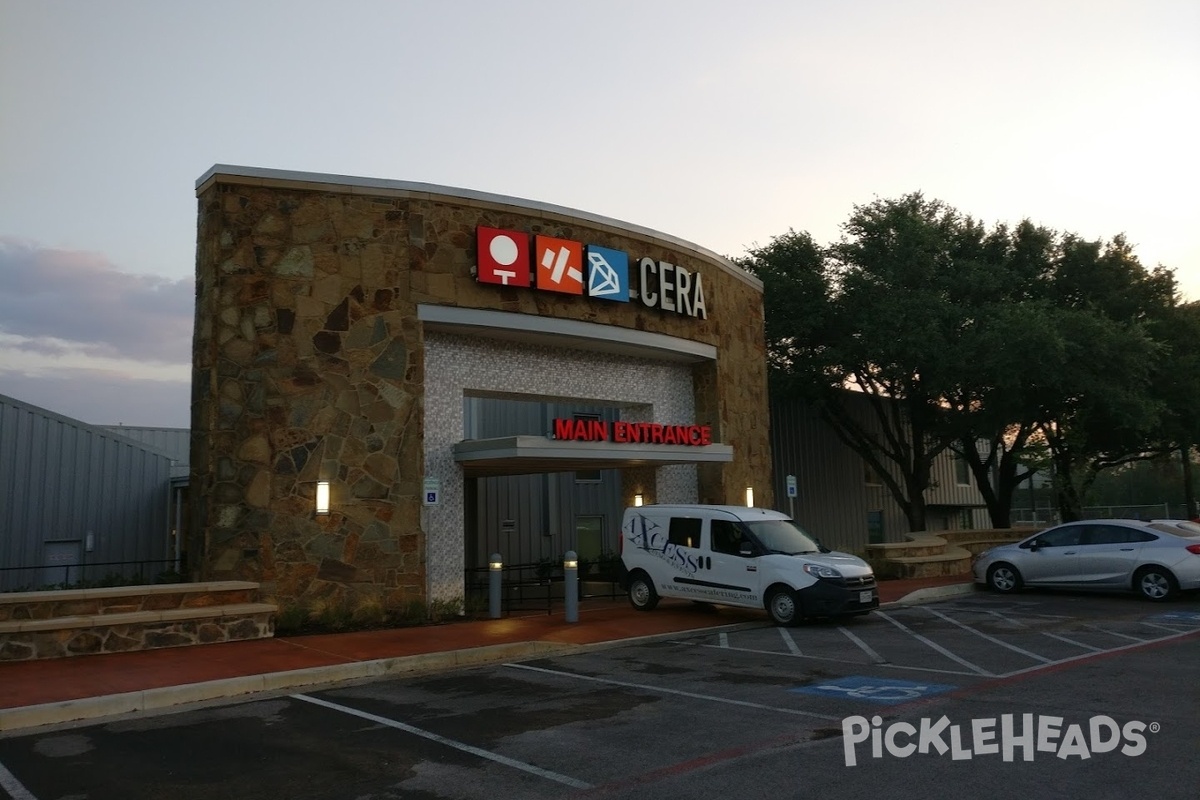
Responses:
[55,302]
[103,397]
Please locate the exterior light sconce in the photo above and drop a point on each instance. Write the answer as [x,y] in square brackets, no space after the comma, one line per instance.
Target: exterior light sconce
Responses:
[322,497]
[638,500]
[749,497]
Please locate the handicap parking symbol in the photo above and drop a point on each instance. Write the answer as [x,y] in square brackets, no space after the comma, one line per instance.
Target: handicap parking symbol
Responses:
[874,690]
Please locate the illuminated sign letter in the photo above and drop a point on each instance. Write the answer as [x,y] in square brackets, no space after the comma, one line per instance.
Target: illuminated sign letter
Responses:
[648,268]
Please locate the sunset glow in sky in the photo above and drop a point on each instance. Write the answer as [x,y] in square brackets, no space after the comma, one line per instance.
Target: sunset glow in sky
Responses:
[724,124]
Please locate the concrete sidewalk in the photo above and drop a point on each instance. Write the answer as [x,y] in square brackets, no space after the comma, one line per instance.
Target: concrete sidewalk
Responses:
[35,693]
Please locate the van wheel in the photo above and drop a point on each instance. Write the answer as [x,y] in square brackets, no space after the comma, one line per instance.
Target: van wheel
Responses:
[782,607]
[641,592]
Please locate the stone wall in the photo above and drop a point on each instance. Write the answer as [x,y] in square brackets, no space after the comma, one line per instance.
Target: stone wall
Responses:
[309,365]
[72,622]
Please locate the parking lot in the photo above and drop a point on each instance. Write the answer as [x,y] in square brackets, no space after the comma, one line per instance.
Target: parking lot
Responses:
[751,711]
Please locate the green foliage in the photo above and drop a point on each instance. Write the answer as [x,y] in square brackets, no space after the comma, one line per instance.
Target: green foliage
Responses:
[1004,343]
[333,615]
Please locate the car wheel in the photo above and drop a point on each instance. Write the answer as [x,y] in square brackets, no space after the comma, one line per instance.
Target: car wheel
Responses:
[1004,578]
[783,607]
[641,592]
[1155,583]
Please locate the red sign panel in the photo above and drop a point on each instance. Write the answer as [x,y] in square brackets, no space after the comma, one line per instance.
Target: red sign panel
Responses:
[503,256]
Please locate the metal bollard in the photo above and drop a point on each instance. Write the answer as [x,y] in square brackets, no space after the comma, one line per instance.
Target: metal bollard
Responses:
[571,586]
[495,572]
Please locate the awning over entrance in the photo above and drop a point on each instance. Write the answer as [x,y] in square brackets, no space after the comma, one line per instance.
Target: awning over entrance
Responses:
[522,455]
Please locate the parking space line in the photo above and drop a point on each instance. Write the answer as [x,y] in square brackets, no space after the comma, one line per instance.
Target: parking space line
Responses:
[1007,618]
[871,654]
[1072,641]
[789,641]
[888,664]
[677,692]
[990,638]
[1139,643]
[16,790]
[1162,627]
[975,668]
[433,737]
[1114,633]
[723,639]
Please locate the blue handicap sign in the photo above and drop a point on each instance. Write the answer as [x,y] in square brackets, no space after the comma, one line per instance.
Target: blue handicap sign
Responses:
[875,690]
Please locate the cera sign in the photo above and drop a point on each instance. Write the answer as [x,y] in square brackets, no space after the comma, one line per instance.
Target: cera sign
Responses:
[595,430]
[565,266]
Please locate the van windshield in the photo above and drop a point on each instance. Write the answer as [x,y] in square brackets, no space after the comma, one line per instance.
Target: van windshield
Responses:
[782,536]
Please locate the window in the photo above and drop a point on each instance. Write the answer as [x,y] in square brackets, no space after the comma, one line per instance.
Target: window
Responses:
[1115,534]
[875,527]
[1062,537]
[684,532]
[962,470]
[726,537]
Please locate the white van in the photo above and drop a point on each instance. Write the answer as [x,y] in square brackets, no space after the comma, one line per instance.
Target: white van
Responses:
[737,556]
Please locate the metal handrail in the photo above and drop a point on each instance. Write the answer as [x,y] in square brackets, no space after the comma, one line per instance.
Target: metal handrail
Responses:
[83,567]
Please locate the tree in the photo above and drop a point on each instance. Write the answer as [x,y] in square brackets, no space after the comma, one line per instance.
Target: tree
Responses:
[1007,353]
[1100,409]
[878,314]
[1177,383]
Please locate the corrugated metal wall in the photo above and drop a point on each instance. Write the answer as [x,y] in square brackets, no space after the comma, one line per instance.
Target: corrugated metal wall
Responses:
[63,482]
[173,442]
[527,518]
[836,502]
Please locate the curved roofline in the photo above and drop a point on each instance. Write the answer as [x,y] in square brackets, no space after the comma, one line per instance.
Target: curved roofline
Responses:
[261,176]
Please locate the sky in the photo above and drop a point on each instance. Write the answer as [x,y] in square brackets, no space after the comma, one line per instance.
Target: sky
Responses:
[721,123]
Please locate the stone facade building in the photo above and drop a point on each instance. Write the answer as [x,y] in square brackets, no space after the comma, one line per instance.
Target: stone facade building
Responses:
[361,333]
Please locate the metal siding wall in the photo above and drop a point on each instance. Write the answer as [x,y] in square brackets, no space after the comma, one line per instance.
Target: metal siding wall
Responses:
[832,500]
[61,478]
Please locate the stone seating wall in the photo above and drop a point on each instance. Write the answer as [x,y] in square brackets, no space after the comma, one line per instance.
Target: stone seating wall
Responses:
[945,553]
[73,622]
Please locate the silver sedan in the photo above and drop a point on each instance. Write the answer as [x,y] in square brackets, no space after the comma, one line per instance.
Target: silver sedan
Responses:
[1157,559]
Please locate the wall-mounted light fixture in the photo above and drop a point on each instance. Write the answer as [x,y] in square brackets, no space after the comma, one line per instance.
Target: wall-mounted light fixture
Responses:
[322,497]
[637,500]
[749,497]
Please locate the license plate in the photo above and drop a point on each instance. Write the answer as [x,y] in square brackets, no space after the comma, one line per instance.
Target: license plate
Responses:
[864,597]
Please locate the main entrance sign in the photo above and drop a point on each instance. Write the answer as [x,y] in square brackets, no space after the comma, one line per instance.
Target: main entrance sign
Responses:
[595,430]
[568,267]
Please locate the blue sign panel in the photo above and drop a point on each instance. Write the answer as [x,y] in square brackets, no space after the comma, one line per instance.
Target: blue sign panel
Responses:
[875,690]
[607,273]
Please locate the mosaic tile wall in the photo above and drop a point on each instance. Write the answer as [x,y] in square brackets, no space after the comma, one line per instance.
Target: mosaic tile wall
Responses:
[458,365]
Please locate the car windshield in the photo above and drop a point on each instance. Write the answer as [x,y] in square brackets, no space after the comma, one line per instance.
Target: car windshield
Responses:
[782,536]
